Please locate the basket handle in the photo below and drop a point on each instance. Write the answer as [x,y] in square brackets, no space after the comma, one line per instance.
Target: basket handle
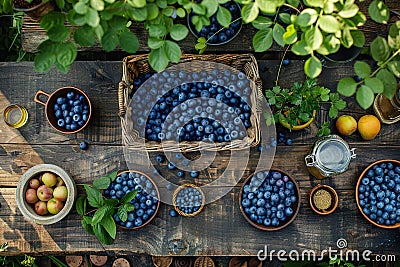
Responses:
[121,99]
[37,100]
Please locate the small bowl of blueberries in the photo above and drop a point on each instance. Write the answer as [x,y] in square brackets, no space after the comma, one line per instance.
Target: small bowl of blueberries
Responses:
[146,201]
[378,193]
[188,200]
[68,109]
[269,199]
[215,33]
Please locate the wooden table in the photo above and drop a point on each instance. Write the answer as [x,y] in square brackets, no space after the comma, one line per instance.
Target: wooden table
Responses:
[220,229]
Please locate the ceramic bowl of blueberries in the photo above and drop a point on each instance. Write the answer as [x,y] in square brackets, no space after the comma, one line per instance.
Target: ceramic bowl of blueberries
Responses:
[188,200]
[146,201]
[68,109]
[269,199]
[226,34]
[378,193]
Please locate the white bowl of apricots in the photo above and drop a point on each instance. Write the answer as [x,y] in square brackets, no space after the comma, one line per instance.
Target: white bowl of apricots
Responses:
[45,194]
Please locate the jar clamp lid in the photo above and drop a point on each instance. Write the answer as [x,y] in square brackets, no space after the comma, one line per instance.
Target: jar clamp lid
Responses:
[331,155]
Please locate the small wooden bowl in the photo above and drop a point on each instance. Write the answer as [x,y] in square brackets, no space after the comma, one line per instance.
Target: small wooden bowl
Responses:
[158,202]
[184,213]
[52,99]
[394,162]
[271,228]
[333,196]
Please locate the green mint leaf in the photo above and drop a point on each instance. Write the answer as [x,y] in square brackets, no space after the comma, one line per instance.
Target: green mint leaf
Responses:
[129,196]
[102,234]
[122,213]
[109,225]
[112,202]
[349,10]
[44,61]
[102,183]
[94,197]
[365,97]
[358,38]
[178,32]
[301,48]
[268,7]
[333,112]
[86,225]
[100,213]
[347,86]
[66,53]
[80,205]
[158,59]
[52,19]
[375,84]
[129,42]
[84,36]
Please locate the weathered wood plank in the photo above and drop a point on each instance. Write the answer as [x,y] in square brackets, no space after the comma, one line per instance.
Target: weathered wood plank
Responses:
[33,35]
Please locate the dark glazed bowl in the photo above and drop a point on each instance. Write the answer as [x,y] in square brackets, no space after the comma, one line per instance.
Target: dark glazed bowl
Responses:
[295,206]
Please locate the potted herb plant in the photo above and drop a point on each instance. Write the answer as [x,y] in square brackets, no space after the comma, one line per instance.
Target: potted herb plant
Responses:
[36,9]
[295,107]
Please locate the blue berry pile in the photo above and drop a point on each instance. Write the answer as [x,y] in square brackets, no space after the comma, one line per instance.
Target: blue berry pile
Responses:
[188,200]
[208,110]
[269,198]
[72,111]
[379,193]
[226,34]
[139,80]
[282,139]
[145,201]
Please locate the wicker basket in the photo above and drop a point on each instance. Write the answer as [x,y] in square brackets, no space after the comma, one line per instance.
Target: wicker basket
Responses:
[138,64]
[184,213]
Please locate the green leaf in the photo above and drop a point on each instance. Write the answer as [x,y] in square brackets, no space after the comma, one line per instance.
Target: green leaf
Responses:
[52,19]
[109,41]
[99,32]
[199,9]
[142,3]
[129,42]
[375,84]
[178,32]
[380,49]
[155,43]
[168,11]
[268,7]
[300,48]
[261,23]
[158,31]
[102,234]
[112,175]
[379,11]
[313,38]
[389,82]
[94,197]
[290,35]
[314,3]
[365,97]
[358,38]
[92,17]
[312,67]
[173,51]
[84,36]
[224,17]
[86,224]
[102,183]
[117,23]
[307,17]
[97,4]
[80,205]
[250,12]
[262,40]
[394,67]
[348,11]
[76,19]
[394,36]
[112,202]
[100,213]
[158,60]
[362,69]
[109,225]
[330,45]
[180,12]
[347,86]
[211,7]
[129,197]
[329,24]
[277,33]
[152,11]
[66,54]
[122,213]
[340,104]
[137,14]
[59,34]
[333,112]
[347,38]
[81,8]
[285,18]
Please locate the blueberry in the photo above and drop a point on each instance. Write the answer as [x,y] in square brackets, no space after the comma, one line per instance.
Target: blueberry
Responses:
[70,95]
[171,166]
[83,145]
[138,222]
[61,123]
[180,174]
[173,213]
[194,174]
[357,78]
[285,62]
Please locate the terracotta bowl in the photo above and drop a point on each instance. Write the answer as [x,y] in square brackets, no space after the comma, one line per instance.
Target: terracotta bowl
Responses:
[158,202]
[27,209]
[52,99]
[333,196]
[396,163]
[295,206]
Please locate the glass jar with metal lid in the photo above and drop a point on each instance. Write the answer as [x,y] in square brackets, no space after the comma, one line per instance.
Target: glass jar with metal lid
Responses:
[330,156]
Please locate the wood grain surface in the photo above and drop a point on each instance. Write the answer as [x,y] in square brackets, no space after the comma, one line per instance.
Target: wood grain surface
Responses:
[33,35]
[220,228]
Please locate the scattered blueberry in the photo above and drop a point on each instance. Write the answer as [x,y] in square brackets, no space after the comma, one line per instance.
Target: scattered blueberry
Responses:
[285,62]
[160,158]
[357,78]
[84,145]
[194,174]
[173,213]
